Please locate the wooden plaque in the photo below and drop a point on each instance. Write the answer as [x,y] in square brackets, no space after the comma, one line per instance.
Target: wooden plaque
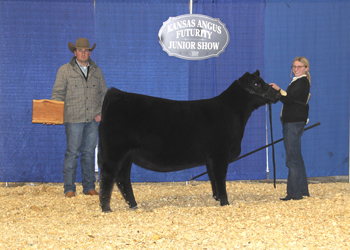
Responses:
[48,111]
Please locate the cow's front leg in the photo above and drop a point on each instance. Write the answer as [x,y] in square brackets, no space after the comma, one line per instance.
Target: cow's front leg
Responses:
[124,184]
[106,187]
[223,194]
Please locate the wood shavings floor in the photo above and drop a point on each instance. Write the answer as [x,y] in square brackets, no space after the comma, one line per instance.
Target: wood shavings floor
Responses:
[176,216]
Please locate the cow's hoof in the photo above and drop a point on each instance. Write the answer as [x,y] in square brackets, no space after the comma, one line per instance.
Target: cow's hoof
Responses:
[216,198]
[224,204]
[134,207]
[106,210]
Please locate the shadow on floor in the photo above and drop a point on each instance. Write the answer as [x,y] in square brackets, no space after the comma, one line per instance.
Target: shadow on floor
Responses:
[326,179]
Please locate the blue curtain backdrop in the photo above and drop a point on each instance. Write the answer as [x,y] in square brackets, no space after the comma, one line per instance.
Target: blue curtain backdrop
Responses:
[129,30]
[318,30]
[264,35]
[33,45]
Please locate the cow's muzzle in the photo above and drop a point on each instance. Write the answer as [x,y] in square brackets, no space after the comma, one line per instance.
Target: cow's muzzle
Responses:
[272,95]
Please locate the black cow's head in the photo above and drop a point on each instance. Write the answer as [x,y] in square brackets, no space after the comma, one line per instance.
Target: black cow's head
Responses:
[254,84]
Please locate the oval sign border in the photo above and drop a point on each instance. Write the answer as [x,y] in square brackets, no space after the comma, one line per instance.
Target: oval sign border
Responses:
[190,54]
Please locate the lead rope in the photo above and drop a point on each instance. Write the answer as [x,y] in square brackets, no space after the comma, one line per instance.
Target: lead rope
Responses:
[273,148]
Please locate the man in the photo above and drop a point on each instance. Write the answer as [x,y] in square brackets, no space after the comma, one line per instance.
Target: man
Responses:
[81,85]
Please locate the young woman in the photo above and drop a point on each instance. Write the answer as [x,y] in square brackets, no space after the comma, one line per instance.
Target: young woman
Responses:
[294,116]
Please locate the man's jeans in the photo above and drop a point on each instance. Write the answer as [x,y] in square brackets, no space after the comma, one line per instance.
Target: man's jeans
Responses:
[81,139]
[297,185]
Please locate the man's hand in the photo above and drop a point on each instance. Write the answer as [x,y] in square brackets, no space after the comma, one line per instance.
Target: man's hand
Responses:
[98,118]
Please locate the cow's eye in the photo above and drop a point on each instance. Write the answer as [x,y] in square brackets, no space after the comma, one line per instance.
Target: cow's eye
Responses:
[256,84]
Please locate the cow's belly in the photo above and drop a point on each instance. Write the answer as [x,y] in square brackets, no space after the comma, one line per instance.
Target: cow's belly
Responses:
[166,163]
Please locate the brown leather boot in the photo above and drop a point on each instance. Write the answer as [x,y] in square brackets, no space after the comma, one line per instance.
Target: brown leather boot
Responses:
[70,194]
[91,192]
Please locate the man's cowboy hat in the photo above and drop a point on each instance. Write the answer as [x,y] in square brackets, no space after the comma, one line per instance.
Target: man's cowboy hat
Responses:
[81,43]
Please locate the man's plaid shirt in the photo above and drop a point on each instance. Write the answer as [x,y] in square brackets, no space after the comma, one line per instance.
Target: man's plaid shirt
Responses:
[82,98]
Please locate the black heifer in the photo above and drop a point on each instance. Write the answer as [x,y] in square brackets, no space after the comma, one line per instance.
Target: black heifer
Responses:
[165,135]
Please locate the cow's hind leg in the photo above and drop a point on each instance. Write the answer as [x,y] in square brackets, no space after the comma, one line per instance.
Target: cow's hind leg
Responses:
[124,184]
[217,175]
[106,186]
[213,183]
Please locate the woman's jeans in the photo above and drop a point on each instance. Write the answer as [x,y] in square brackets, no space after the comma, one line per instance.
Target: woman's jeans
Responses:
[297,185]
[81,140]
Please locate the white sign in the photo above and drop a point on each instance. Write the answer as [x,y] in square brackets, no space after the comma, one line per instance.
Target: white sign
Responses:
[193,37]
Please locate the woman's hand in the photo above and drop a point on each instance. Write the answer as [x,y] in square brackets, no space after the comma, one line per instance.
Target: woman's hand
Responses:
[274,85]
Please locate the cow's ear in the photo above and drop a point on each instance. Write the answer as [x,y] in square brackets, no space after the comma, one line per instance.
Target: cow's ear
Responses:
[256,73]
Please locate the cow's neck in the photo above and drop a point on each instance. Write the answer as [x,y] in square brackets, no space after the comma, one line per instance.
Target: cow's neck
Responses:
[240,100]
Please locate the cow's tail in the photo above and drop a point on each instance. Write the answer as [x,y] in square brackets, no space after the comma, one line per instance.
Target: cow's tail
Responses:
[99,158]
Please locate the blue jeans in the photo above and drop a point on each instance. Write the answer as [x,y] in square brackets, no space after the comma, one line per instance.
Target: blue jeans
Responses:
[81,141]
[297,185]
